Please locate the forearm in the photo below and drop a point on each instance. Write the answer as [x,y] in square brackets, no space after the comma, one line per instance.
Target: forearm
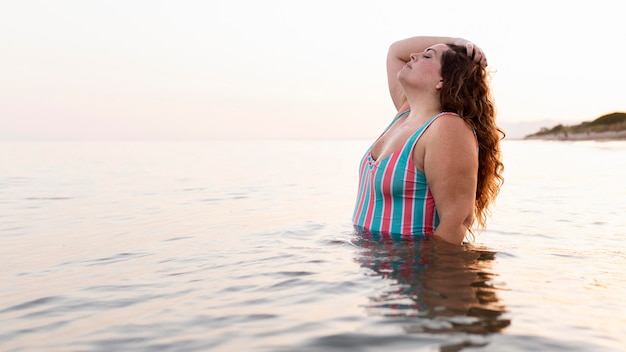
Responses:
[403,48]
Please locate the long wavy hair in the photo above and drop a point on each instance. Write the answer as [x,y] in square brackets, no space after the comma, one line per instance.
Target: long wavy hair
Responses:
[466,92]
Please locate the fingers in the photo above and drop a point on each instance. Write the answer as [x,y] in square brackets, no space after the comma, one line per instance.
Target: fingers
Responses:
[470,50]
[475,53]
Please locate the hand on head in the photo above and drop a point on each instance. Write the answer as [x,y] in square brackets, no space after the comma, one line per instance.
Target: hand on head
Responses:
[473,51]
[476,54]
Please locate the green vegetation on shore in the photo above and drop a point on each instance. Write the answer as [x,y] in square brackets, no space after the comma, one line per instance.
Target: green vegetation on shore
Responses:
[613,122]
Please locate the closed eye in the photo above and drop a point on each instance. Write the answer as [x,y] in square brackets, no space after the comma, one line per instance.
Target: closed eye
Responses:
[426,55]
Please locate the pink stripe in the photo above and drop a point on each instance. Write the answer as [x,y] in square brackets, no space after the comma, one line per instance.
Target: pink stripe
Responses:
[409,202]
[385,225]
[407,219]
[409,215]
[429,214]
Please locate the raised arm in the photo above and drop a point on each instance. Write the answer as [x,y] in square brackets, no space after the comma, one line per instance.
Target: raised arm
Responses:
[399,54]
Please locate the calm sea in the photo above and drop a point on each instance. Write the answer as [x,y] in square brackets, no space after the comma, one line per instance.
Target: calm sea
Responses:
[248,246]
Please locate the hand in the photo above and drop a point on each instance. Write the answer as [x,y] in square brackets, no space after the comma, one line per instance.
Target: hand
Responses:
[476,54]
[473,51]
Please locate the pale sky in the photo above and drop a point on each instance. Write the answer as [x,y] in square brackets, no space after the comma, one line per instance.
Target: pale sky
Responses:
[177,70]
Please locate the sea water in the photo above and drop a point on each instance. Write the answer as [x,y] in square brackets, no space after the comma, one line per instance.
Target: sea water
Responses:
[248,246]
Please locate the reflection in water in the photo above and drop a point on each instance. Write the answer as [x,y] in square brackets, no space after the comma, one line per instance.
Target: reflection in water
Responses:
[438,286]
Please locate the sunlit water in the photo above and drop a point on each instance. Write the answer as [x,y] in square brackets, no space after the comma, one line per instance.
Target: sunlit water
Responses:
[248,246]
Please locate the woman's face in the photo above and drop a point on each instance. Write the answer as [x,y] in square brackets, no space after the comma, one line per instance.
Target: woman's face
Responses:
[424,69]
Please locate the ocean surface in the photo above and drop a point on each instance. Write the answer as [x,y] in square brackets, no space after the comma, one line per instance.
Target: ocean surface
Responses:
[248,246]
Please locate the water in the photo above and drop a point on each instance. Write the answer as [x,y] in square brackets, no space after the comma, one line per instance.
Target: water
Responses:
[248,246]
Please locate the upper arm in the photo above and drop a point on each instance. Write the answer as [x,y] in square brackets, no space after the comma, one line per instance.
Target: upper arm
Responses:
[394,65]
[451,169]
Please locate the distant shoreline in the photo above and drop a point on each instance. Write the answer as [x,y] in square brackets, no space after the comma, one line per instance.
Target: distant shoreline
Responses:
[607,127]
[587,136]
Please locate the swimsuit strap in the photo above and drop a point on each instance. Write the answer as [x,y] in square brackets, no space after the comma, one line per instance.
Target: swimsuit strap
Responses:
[413,139]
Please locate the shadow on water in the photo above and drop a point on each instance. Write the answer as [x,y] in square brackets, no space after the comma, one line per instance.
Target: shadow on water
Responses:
[433,286]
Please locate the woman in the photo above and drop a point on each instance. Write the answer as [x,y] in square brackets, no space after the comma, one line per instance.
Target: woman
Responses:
[436,169]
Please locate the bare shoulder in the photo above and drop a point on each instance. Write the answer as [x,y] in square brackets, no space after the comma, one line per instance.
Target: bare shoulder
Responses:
[449,142]
[450,129]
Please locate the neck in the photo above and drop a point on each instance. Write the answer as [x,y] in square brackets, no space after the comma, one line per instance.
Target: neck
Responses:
[424,108]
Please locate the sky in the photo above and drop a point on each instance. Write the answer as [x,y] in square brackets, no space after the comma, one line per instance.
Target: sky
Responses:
[248,69]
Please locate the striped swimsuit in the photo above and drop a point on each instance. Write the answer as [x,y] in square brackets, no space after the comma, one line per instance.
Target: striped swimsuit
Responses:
[393,196]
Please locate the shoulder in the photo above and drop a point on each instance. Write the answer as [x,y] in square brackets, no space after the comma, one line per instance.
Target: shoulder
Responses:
[450,126]
[451,120]
[449,140]
[450,135]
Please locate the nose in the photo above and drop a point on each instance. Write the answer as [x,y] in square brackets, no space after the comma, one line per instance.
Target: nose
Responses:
[413,56]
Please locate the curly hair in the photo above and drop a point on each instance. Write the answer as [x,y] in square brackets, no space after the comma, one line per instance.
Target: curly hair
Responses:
[466,92]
